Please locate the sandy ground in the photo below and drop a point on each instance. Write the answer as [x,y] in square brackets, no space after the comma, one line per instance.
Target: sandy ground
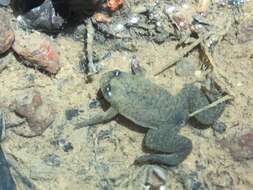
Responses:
[103,156]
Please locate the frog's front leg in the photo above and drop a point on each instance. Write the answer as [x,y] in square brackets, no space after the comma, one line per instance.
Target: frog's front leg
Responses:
[98,118]
[171,148]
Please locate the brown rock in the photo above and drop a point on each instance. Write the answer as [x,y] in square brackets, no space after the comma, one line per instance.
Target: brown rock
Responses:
[38,115]
[241,148]
[38,51]
[6,33]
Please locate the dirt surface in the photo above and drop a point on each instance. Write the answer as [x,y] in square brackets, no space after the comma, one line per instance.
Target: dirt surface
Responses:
[102,156]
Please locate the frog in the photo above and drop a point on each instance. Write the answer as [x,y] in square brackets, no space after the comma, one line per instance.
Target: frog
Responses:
[151,106]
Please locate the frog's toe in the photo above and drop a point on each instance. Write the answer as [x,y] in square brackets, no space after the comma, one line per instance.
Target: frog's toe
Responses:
[172,148]
[172,159]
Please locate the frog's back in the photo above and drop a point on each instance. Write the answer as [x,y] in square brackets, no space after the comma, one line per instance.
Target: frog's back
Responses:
[146,103]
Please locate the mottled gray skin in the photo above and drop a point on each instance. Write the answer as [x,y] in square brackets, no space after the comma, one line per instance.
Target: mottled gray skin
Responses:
[150,106]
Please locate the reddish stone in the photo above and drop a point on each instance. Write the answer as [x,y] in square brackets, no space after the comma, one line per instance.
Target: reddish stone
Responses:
[247,141]
[241,148]
[38,50]
[39,115]
[6,34]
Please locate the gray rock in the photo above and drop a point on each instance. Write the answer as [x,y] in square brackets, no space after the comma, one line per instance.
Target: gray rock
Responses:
[4,2]
[185,68]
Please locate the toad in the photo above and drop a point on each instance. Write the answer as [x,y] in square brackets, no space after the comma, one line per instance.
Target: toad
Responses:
[151,106]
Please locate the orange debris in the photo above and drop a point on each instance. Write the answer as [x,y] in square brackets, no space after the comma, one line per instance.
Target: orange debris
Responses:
[100,17]
[113,5]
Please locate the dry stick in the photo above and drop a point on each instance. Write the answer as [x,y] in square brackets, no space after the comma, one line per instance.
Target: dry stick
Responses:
[29,86]
[186,51]
[219,73]
[223,99]
[89,48]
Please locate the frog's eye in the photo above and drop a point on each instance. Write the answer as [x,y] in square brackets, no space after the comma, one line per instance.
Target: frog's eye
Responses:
[108,90]
[116,73]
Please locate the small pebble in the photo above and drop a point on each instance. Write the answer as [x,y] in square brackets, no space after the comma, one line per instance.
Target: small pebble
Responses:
[52,160]
[185,68]
[71,113]
[219,127]
[68,147]
[134,20]
[169,9]
[61,143]
[239,84]
[94,104]
[104,134]
[198,74]
[191,181]
[240,147]
[236,3]
[30,77]
[4,2]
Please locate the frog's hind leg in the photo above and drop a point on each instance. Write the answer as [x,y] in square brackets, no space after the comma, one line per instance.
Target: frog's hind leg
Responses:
[197,100]
[171,148]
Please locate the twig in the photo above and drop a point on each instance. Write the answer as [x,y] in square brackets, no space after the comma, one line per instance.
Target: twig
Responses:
[219,101]
[222,80]
[89,48]
[29,86]
[186,51]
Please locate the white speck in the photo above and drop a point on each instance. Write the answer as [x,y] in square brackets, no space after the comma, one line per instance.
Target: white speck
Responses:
[239,84]
[134,20]
[146,187]
[117,73]
[158,24]
[109,93]
[198,74]
[37,9]
[170,9]
[21,20]
[181,24]
[185,6]
[119,27]
[163,187]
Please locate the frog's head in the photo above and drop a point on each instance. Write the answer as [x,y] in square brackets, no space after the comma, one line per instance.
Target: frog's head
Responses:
[109,82]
